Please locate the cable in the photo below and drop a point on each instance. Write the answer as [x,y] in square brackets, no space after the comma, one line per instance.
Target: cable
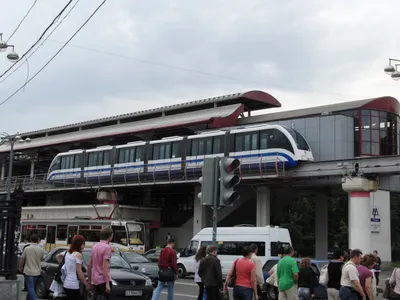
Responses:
[206,73]
[54,29]
[54,56]
[38,40]
[23,19]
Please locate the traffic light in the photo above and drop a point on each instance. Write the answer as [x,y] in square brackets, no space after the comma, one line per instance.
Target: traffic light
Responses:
[228,181]
[208,181]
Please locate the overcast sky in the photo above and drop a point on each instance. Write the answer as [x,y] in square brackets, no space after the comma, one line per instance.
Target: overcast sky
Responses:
[305,53]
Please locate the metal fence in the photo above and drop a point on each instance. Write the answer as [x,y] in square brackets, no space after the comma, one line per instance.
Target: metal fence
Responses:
[10,216]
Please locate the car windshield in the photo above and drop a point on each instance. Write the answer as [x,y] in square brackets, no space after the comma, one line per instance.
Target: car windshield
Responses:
[135,258]
[116,261]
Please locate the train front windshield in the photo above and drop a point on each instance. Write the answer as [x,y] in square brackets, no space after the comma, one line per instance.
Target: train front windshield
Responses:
[300,141]
[130,235]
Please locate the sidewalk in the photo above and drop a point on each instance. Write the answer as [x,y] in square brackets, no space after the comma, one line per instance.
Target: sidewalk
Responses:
[11,289]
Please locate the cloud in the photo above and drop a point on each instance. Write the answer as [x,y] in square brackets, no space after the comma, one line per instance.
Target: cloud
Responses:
[303,54]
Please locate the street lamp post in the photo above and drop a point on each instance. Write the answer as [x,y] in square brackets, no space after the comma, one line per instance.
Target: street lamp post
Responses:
[13,221]
[11,139]
[391,70]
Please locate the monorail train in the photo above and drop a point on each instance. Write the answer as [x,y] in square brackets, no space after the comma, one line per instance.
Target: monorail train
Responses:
[256,147]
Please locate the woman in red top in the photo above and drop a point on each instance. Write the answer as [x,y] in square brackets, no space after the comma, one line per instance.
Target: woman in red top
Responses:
[246,278]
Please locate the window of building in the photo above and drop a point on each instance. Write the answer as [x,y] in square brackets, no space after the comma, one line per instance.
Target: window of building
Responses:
[378,134]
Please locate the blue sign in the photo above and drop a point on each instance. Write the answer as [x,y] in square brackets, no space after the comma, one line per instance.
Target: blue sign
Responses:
[375,220]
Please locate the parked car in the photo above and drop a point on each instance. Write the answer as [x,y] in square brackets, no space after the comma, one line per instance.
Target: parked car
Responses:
[154,254]
[142,264]
[318,267]
[126,281]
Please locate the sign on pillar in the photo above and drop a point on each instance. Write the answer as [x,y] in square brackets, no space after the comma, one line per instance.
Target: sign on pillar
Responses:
[375,220]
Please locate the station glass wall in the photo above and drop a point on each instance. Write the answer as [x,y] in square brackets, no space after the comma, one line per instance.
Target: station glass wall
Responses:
[375,132]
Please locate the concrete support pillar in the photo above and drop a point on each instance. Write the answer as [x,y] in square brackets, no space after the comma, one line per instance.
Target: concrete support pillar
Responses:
[321,226]
[3,170]
[360,221]
[263,209]
[147,197]
[199,213]
[380,226]
[32,168]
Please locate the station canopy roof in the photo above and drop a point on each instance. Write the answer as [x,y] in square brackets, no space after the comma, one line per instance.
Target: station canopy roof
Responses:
[386,103]
[216,112]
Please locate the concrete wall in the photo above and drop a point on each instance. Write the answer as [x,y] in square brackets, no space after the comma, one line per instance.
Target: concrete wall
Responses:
[330,137]
[381,241]
[182,235]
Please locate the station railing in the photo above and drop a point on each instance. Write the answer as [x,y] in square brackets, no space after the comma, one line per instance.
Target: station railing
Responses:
[146,175]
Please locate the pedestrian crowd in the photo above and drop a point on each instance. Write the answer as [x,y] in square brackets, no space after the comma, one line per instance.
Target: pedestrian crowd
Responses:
[69,277]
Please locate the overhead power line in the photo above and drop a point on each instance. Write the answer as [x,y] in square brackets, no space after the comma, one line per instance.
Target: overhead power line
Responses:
[200,72]
[39,39]
[54,56]
[41,44]
[23,19]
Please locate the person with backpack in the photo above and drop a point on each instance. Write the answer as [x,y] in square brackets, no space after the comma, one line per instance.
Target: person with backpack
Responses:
[307,280]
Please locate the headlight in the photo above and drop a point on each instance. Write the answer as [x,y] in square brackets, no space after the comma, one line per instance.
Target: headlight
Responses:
[143,270]
[114,282]
[148,282]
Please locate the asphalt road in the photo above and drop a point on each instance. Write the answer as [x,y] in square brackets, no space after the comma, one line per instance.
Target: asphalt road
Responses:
[187,289]
[184,289]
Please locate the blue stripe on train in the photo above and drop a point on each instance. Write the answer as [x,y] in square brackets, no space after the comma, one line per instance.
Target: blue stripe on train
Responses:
[289,163]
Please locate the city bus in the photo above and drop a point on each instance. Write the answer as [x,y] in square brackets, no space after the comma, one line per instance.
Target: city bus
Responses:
[128,235]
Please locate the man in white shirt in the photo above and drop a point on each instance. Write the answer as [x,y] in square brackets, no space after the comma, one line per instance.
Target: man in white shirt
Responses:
[350,281]
[259,271]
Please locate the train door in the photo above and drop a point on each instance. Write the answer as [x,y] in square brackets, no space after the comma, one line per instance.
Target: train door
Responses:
[50,238]
[72,230]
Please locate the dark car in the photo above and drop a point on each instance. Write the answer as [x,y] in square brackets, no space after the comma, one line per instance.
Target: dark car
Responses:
[319,291]
[154,254]
[142,264]
[126,281]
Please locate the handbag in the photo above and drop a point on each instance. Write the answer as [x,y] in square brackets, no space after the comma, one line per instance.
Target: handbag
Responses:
[389,292]
[232,281]
[166,275]
[58,273]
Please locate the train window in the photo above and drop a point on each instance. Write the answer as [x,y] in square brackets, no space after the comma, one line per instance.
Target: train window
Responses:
[156,152]
[168,150]
[92,161]
[217,145]
[63,161]
[56,164]
[195,147]
[77,163]
[254,141]
[62,232]
[263,140]
[278,140]
[176,149]
[209,146]
[162,151]
[100,158]
[106,158]
[238,143]
[138,154]
[247,142]
[201,147]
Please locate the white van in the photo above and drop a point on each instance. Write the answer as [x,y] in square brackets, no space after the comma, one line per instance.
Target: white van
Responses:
[230,241]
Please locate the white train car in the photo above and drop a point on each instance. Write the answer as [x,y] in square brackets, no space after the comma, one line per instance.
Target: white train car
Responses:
[66,166]
[129,160]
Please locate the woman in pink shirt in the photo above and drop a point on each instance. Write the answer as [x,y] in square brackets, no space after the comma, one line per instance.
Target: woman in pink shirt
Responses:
[365,274]
[246,277]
